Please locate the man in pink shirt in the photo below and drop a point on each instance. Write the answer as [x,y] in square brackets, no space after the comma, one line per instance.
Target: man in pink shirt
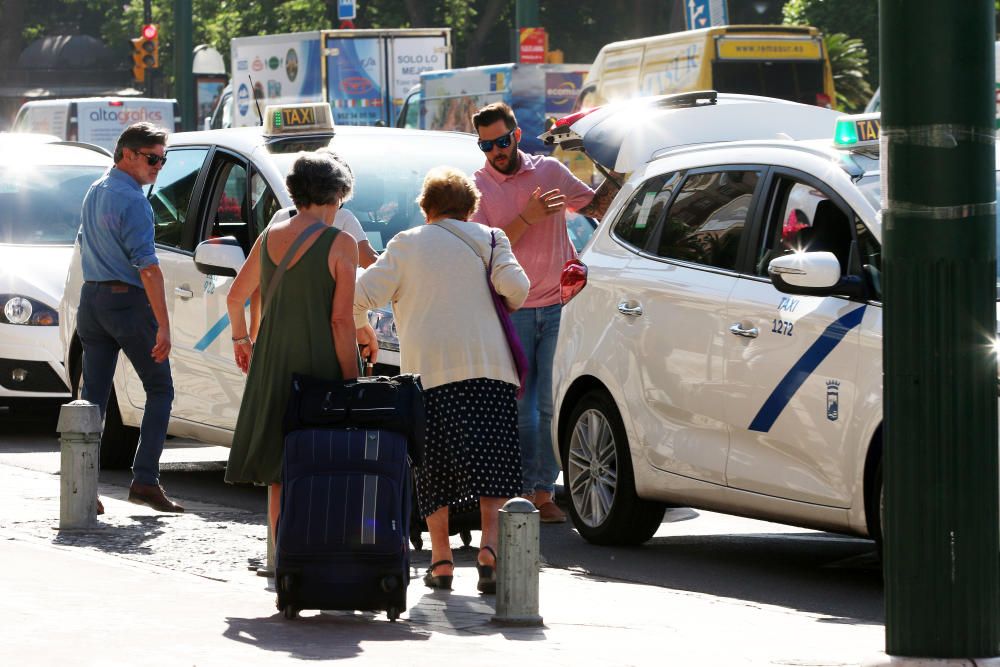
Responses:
[527,196]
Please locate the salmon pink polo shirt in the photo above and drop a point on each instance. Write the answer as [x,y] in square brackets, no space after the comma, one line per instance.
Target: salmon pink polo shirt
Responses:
[545,246]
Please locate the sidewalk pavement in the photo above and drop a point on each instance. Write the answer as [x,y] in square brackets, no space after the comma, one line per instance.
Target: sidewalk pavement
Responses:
[174,590]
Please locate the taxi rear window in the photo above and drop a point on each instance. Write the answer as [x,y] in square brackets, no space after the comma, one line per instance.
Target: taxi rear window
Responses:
[389,169]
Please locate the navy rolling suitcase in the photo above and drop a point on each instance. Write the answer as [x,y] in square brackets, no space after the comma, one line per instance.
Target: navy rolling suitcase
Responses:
[344,524]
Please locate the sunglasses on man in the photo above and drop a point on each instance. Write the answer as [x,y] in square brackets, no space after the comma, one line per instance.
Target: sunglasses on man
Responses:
[153,159]
[486,145]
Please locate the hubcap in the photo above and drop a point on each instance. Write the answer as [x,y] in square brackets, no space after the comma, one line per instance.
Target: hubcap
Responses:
[592,472]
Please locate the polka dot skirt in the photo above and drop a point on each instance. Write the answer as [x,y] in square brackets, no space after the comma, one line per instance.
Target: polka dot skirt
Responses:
[472,446]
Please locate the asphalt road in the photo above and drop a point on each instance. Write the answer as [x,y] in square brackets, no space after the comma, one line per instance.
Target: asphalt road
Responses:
[834,576]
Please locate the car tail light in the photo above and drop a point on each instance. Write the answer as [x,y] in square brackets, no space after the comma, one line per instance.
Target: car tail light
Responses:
[572,279]
[823,100]
[566,121]
[71,134]
[116,103]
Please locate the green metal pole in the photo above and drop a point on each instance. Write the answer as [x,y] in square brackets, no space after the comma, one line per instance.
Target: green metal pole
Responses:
[525,16]
[184,62]
[941,520]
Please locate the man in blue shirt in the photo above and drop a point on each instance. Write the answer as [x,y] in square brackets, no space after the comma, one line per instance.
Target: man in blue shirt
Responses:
[122,303]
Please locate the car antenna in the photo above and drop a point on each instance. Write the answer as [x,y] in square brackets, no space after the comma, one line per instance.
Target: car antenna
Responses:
[256,101]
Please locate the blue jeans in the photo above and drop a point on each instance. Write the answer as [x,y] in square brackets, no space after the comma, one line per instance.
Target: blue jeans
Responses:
[113,318]
[538,329]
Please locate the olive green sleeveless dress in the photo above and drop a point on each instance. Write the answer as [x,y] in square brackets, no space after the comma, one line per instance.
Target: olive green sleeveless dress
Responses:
[294,337]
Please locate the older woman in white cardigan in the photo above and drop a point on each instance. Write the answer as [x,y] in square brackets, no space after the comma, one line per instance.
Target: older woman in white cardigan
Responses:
[449,333]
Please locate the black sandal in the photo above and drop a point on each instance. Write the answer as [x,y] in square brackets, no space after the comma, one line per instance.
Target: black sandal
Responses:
[432,580]
[487,574]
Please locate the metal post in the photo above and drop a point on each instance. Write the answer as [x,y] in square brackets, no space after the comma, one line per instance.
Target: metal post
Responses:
[517,564]
[941,520]
[183,62]
[79,429]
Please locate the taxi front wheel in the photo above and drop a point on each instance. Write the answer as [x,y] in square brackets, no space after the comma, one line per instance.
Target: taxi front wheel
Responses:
[597,467]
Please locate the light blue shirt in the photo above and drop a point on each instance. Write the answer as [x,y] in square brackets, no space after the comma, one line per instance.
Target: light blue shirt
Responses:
[117,230]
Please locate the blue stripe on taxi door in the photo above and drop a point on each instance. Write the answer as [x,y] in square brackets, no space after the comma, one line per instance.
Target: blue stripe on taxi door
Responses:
[803,368]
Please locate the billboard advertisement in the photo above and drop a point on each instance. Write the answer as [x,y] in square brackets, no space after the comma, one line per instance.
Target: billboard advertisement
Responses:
[354,79]
[283,69]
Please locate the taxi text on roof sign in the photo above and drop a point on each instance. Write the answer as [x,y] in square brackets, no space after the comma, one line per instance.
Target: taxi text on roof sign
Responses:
[859,131]
[297,119]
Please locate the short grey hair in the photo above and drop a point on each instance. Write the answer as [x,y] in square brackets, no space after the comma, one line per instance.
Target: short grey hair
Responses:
[138,136]
[318,178]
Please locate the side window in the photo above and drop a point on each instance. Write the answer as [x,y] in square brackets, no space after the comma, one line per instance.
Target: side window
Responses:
[228,211]
[639,217]
[803,219]
[263,205]
[707,219]
[171,194]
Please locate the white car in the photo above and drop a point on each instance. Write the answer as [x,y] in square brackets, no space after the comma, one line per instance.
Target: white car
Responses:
[721,340]
[42,184]
[224,186]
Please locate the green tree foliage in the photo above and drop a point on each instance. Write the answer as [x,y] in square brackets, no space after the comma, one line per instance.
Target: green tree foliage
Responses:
[857,18]
[849,62]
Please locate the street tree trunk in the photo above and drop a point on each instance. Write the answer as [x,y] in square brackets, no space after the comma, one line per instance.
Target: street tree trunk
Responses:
[484,27]
[11,40]
[415,12]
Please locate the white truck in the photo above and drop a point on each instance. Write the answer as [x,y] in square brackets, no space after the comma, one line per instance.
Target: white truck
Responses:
[363,74]
[446,99]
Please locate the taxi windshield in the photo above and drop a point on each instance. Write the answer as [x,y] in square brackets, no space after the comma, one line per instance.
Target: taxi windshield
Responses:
[41,205]
[871,188]
[388,172]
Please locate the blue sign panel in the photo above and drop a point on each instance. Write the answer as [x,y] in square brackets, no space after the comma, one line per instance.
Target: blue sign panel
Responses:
[346,9]
[705,13]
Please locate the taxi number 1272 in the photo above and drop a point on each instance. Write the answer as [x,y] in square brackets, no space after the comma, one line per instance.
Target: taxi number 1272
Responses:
[782,327]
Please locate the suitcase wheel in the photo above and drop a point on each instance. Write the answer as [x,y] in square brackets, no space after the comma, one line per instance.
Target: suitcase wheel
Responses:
[466,536]
[393,613]
[417,541]
[290,612]
[389,583]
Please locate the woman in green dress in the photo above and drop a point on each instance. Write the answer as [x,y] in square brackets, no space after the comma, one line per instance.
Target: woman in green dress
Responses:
[307,326]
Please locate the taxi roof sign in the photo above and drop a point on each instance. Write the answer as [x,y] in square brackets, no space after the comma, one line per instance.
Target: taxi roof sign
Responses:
[289,119]
[858,131]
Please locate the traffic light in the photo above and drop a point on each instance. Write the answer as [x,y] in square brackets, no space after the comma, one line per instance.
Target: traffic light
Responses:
[145,52]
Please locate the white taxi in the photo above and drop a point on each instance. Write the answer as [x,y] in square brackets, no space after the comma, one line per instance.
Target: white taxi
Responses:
[216,193]
[721,340]
[42,185]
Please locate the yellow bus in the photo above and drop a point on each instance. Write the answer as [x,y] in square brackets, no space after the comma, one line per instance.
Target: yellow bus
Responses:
[787,62]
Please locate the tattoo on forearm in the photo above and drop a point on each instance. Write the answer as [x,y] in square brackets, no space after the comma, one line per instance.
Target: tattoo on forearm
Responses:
[602,199]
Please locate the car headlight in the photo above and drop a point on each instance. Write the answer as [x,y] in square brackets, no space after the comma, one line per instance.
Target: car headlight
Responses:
[384,324]
[22,310]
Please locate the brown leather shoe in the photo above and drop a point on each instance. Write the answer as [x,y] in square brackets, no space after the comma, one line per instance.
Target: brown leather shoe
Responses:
[548,511]
[100,507]
[152,495]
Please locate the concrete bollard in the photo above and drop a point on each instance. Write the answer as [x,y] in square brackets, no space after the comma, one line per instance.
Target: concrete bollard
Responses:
[517,564]
[79,429]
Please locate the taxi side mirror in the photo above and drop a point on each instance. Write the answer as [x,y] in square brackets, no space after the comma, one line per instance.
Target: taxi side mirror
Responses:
[221,256]
[813,274]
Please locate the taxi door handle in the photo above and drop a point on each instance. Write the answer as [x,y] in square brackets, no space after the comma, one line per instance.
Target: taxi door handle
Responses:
[632,311]
[183,292]
[737,330]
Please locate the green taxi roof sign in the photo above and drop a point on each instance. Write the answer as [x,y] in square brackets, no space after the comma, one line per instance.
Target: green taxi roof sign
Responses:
[858,131]
[290,119]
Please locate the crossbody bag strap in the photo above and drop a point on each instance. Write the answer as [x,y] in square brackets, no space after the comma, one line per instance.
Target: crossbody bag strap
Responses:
[283,264]
[463,239]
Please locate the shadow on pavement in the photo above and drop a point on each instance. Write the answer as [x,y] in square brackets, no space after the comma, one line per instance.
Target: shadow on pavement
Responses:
[323,636]
[835,576]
